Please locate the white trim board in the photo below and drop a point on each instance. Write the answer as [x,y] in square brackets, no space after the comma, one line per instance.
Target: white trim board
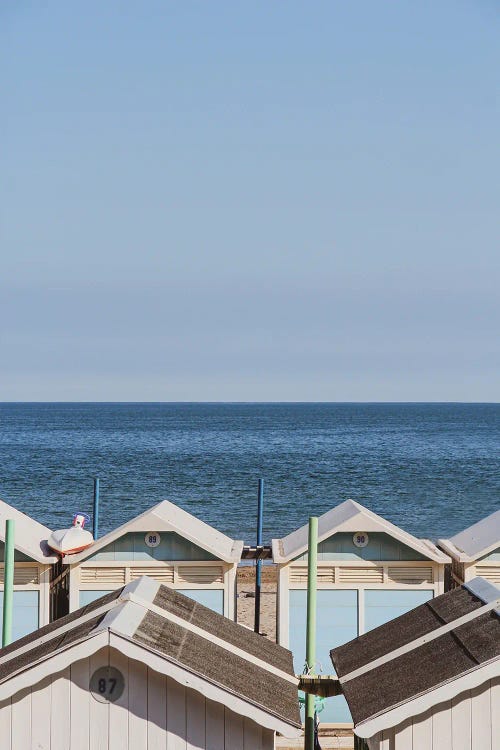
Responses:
[415,644]
[476,541]
[424,701]
[52,663]
[122,616]
[214,692]
[192,628]
[166,516]
[30,537]
[350,516]
[89,645]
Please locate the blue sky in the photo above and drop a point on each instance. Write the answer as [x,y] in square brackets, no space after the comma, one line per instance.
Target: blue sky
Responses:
[249,201]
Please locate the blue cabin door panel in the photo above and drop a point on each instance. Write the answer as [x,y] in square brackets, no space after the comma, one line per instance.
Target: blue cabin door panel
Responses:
[337,623]
[211,598]
[90,596]
[382,605]
[25,613]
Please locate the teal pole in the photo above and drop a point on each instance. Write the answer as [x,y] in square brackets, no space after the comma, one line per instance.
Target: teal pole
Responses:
[312,574]
[8,583]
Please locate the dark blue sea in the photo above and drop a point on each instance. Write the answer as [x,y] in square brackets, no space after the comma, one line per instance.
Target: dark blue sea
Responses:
[430,468]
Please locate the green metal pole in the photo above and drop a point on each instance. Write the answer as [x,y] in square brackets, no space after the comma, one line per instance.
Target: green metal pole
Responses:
[8,583]
[312,572]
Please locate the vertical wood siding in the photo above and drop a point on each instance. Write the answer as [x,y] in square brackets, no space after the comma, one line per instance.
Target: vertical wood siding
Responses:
[471,721]
[153,713]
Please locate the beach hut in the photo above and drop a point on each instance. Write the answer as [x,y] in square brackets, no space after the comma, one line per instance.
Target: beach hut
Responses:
[33,561]
[475,551]
[369,571]
[146,667]
[166,543]
[430,678]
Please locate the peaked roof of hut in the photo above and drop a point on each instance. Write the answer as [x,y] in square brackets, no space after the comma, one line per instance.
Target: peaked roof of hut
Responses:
[166,516]
[172,635]
[422,658]
[350,516]
[30,537]
[476,541]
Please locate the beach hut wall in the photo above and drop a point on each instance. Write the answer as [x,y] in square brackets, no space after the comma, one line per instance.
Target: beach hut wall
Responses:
[369,571]
[164,542]
[33,561]
[430,678]
[146,667]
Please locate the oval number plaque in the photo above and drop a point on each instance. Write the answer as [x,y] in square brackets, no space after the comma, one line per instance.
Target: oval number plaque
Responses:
[152,539]
[107,684]
[360,539]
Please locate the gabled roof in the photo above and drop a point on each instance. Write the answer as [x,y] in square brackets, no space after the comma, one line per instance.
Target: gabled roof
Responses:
[30,537]
[173,635]
[426,656]
[350,516]
[166,516]
[476,541]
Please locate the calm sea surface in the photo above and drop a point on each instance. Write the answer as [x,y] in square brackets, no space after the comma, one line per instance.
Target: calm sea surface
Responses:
[430,468]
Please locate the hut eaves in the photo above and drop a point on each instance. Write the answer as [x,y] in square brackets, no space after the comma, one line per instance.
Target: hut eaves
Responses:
[165,516]
[476,541]
[173,635]
[30,536]
[351,516]
[426,656]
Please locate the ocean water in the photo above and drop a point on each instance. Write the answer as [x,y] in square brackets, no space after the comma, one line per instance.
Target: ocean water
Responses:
[430,468]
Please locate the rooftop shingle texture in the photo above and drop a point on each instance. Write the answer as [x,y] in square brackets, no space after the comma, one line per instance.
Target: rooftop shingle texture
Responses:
[221,667]
[215,663]
[425,667]
[234,634]
[402,630]
[61,622]
[43,650]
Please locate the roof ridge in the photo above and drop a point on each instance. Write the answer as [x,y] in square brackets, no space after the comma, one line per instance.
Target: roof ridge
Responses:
[423,639]
[203,633]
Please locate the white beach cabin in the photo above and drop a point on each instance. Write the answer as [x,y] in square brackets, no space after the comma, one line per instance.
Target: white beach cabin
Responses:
[146,668]
[168,544]
[369,571]
[475,551]
[429,680]
[33,561]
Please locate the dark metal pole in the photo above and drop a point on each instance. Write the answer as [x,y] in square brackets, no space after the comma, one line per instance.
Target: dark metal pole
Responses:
[258,565]
[95,519]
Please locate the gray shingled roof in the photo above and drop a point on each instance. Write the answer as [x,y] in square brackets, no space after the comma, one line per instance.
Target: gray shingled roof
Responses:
[419,651]
[181,631]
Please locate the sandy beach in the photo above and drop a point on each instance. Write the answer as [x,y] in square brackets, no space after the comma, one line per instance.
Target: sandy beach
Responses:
[246,599]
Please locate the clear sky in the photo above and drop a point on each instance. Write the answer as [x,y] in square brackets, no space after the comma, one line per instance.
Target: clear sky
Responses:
[249,200]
